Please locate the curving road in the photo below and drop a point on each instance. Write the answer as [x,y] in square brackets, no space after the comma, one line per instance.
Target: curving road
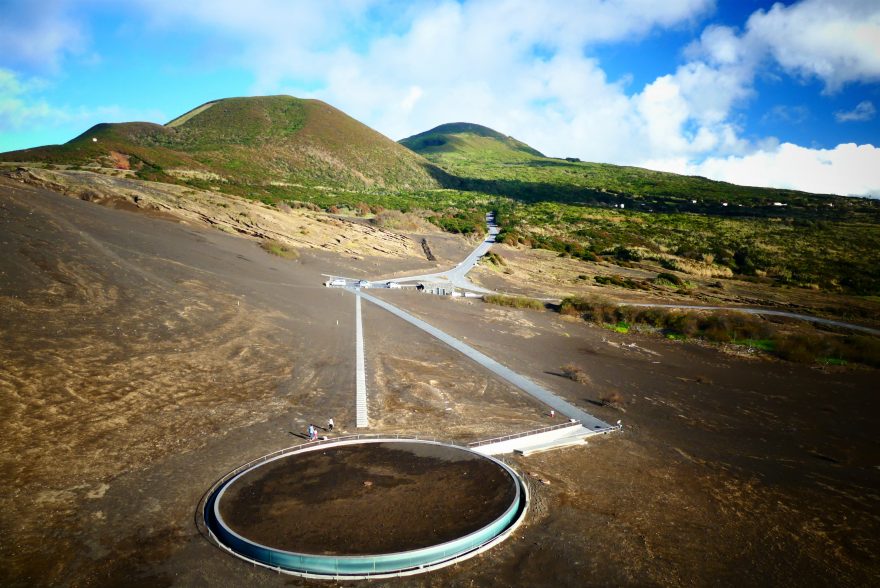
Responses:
[457,275]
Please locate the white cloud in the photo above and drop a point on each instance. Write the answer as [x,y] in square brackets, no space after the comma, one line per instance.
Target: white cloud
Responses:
[22,108]
[38,34]
[520,66]
[18,107]
[837,41]
[863,111]
[848,169]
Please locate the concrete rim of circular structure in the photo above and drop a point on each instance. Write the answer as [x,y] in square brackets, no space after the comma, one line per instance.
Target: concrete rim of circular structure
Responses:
[471,544]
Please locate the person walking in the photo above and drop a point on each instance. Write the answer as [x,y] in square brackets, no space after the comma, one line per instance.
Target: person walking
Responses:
[311,432]
[330,424]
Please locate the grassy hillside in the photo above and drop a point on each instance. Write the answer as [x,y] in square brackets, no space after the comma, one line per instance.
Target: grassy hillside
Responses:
[468,142]
[247,145]
[283,149]
[595,211]
[487,161]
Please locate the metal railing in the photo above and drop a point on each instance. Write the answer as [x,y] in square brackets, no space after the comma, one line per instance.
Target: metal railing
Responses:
[223,479]
[525,434]
[411,562]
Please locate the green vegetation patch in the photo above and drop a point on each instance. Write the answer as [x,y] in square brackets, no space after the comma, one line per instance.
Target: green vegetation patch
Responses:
[279,249]
[730,327]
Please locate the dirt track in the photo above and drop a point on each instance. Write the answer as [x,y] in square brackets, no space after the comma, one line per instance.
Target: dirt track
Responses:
[140,359]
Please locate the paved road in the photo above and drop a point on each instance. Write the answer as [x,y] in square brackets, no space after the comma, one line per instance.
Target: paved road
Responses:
[457,275]
[794,315]
[529,387]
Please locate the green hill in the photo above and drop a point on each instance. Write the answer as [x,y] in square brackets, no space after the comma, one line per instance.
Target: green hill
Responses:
[484,160]
[257,142]
[284,149]
[469,141]
[601,211]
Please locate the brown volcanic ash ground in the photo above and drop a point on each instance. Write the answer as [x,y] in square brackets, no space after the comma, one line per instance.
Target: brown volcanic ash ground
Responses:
[140,359]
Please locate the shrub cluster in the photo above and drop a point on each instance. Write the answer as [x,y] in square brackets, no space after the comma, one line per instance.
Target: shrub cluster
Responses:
[463,223]
[513,301]
[288,205]
[671,278]
[575,373]
[621,281]
[495,259]
[569,248]
[731,327]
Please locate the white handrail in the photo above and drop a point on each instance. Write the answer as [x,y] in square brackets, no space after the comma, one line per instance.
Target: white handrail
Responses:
[525,434]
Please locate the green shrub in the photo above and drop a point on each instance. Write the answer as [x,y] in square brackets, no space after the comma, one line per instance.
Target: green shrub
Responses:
[495,259]
[797,347]
[671,278]
[280,249]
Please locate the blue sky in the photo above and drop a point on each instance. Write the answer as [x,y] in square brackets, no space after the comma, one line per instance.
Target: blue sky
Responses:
[746,91]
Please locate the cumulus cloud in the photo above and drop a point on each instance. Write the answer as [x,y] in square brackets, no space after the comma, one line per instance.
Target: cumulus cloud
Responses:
[836,41]
[863,111]
[18,108]
[22,108]
[524,68]
[848,169]
[38,34]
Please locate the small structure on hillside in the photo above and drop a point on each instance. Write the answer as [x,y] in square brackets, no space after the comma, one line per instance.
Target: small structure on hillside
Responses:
[438,289]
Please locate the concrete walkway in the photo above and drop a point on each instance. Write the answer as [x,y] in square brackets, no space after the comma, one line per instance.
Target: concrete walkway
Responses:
[362,420]
[564,408]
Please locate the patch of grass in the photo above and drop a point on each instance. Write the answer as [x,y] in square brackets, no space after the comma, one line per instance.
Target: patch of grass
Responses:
[833,361]
[495,259]
[669,278]
[514,301]
[619,327]
[280,249]
[621,282]
[765,345]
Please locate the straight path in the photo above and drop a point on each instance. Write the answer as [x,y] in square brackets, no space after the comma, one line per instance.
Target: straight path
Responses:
[360,376]
[529,387]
